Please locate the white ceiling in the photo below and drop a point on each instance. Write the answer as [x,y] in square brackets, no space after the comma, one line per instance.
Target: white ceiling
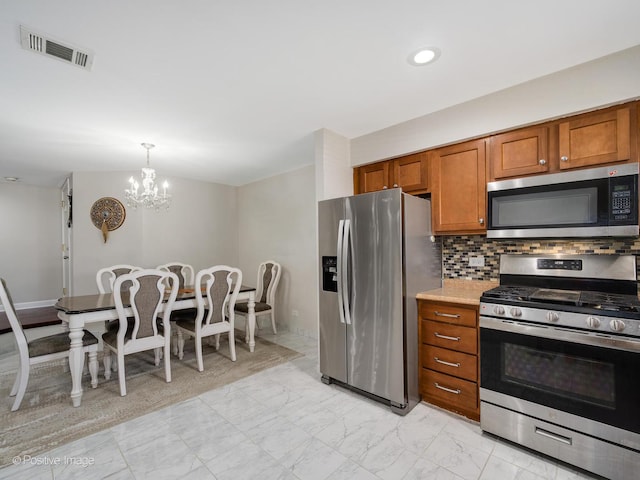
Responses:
[231,91]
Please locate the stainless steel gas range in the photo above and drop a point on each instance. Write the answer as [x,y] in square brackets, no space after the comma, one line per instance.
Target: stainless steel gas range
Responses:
[560,359]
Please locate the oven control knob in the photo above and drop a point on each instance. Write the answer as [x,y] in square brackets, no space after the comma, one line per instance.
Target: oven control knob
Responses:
[515,312]
[616,325]
[498,310]
[593,322]
[551,317]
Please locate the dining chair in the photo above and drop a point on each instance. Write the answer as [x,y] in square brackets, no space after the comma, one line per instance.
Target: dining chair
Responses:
[267,283]
[147,293]
[185,275]
[44,349]
[110,274]
[215,310]
[184,272]
[105,278]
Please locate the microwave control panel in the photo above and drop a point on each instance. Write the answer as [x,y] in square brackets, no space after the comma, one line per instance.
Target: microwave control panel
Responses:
[623,203]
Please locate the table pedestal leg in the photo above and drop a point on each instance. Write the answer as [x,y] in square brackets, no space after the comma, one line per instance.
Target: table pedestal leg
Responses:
[76,362]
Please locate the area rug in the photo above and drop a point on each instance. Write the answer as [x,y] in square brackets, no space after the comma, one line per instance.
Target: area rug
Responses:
[46,419]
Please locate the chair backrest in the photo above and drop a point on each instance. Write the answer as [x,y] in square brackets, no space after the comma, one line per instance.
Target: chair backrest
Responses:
[182,270]
[9,309]
[268,279]
[146,295]
[111,273]
[221,285]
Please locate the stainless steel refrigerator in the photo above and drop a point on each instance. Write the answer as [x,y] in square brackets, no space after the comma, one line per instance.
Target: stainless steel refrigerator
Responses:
[376,254]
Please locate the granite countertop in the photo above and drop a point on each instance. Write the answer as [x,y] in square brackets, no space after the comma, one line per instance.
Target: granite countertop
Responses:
[458,291]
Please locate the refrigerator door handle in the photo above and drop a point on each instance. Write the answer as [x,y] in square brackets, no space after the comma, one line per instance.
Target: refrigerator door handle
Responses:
[340,268]
[345,272]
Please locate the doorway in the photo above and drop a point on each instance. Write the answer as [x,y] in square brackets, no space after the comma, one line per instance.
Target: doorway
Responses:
[66,193]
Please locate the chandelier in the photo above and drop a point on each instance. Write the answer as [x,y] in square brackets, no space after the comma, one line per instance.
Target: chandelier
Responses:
[149,197]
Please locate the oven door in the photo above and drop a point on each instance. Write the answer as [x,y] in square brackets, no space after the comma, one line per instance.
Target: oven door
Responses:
[589,375]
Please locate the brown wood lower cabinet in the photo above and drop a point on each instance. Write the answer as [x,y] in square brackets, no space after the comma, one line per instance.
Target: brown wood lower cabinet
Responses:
[448,356]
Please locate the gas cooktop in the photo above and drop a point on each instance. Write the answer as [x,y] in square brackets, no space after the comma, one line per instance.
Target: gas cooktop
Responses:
[548,298]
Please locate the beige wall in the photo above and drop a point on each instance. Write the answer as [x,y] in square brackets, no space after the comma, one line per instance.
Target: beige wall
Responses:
[30,242]
[608,80]
[200,228]
[278,222]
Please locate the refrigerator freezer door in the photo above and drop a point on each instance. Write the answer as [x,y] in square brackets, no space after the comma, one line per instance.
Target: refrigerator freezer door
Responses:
[375,338]
[332,334]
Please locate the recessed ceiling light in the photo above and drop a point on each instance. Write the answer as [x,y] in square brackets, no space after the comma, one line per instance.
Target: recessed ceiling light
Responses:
[11,179]
[424,56]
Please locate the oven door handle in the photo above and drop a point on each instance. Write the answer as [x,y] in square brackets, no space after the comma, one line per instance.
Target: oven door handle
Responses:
[563,334]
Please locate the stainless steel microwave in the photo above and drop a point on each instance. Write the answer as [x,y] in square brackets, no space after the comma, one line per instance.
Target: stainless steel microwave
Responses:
[595,202]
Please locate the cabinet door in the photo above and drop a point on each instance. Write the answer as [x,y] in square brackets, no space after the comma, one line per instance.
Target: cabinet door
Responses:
[518,153]
[595,139]
[373,177]
[458,188]
[411,173]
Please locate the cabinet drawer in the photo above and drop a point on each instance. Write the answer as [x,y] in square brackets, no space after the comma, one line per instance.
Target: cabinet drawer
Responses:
[454,337]
[449,313]
[452,391]
[450,362]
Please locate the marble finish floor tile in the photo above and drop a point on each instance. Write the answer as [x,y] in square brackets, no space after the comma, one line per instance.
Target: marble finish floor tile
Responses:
[284,423]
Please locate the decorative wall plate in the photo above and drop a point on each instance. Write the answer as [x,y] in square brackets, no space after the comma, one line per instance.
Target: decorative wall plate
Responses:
[107,214]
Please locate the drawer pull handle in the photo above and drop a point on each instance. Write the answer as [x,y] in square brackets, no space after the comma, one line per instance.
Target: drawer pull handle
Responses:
[450,390]
[554,436]
[450,364]
[446,337]
[448,315]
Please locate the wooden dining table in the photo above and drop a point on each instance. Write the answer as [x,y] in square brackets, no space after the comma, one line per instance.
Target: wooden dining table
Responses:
[79,311]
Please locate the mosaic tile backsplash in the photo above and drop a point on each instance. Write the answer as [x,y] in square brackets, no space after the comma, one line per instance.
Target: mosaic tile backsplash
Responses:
[456,251]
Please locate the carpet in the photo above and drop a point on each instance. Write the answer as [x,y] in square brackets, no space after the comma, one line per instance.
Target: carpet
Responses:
[46,419]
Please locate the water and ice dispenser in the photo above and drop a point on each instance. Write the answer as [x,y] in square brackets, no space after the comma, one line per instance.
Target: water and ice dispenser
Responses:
[330,274]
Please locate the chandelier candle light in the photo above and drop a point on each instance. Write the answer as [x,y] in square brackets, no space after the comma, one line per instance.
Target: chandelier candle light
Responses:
[149,197]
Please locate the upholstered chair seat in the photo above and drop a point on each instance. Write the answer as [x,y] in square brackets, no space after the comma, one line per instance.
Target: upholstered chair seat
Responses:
[243,307]
[58,342]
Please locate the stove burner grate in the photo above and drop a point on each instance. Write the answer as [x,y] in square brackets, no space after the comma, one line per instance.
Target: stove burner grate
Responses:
[610,302]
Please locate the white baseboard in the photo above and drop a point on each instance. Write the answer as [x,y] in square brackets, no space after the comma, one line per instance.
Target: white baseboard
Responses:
[28,305]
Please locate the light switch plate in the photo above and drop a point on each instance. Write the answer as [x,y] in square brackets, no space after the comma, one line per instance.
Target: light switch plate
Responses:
[476,261]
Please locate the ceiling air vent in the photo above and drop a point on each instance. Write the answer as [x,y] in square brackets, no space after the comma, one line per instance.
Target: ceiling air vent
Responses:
[46,45]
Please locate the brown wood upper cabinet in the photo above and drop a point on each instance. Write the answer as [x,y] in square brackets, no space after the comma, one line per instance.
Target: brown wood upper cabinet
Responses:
[459,188]
[595,139]
[522,152]
[409,173]
[588,140]
[371,178]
